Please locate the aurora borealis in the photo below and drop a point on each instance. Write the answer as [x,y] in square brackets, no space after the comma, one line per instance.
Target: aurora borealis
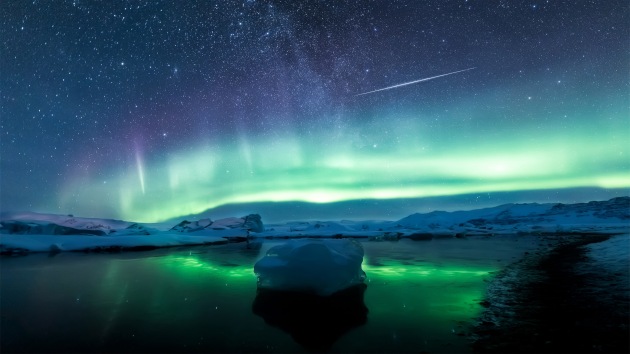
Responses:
[150,110]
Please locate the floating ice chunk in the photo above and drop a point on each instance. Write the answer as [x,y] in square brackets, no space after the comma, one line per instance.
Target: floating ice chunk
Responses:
[322,267]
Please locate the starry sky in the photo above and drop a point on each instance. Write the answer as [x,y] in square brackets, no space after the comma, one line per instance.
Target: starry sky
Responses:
[150,110]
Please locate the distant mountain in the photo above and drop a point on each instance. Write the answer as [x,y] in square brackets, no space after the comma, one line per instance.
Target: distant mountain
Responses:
[609,216]
[394,209]
[596,212]
[33,232]
[52,224]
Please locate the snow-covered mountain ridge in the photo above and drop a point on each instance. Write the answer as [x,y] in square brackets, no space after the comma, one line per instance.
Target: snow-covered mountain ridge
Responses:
[46,232]
[595,212]
[609,216]
[34,232]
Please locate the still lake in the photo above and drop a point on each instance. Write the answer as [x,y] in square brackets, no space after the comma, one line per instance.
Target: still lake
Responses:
[420,296]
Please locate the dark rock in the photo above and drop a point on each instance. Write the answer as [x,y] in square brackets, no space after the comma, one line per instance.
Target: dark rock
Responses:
[253,222]
[421,236]
[191,226]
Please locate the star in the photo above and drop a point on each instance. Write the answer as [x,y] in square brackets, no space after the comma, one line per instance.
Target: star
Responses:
[160,101]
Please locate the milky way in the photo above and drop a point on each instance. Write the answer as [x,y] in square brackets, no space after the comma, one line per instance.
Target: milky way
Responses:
[148,110]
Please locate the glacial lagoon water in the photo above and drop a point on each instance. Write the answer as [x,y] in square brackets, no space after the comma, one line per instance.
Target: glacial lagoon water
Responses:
[420,296]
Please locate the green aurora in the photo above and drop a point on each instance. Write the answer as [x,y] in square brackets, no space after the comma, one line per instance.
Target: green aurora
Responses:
[234,104]
[381,161]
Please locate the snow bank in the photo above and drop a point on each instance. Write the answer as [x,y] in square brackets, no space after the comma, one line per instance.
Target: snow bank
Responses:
[612,255]
[58,243]
[32,232]
[322,266]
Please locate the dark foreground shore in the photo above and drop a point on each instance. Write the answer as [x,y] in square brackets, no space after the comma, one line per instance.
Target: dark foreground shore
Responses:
[557,300]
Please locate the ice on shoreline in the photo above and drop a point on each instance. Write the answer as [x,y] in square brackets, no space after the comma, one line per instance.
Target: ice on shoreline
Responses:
[33,232]
[61,243]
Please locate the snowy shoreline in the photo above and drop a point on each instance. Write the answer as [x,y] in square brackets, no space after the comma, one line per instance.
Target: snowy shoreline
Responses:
[31,232]
[571,295]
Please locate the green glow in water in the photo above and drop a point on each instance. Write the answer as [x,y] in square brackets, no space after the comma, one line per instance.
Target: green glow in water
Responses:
[399,271]
[195,265]
[427,301]
[407,293]
[445,292]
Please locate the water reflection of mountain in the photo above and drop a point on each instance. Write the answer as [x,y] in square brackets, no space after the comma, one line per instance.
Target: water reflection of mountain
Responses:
[315,322]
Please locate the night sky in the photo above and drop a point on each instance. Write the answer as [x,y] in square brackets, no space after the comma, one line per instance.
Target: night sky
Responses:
[149,110]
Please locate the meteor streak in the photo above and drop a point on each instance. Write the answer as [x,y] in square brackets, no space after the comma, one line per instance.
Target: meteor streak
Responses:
[413,82]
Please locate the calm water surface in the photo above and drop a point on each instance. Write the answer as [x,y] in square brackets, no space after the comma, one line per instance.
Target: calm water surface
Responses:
[420,296]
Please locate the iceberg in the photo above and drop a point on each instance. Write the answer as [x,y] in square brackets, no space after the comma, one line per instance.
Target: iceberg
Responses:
[319,266]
